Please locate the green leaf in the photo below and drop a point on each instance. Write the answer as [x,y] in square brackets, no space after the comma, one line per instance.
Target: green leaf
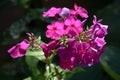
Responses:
[110,62]
[33,57]
[37,53]
[28,78]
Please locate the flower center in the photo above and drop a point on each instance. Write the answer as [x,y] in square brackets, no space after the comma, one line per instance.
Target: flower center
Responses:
[72,25]
[67,62]
[54,28]
[81,51]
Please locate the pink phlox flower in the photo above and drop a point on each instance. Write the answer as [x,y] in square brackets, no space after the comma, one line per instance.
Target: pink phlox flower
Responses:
[80,10]
[52,12]
[101,32]
[19,50]
[95,51]
[98,29]
[82,48]
[67,55]
[48,48]
[55,30]
[68,63]
[74,27]
[100,42]
[89,58]
[89,53]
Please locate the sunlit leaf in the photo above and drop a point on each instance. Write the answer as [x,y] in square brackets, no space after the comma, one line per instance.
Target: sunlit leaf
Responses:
[29,78]
[33,56]
[37,53]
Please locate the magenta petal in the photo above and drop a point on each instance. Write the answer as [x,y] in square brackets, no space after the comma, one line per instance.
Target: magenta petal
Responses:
[45,50]
[19,50]
[11,50]
[43,46]
[48,48]
[55,30]
[52,12]
[24,45]
[16,54]
[49,33]
[68,63]
[94,20]
[67,22]
[50,27]
[100,42]
[68,60]
[73,12]
[81,11]
[74,27]
[52,45]
[76,6]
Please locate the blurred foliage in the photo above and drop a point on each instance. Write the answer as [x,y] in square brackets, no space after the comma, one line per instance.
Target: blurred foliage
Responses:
[32,21]
[110,62]
[32,61]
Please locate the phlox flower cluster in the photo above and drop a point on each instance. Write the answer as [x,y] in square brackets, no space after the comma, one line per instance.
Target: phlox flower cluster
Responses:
[66,22]
[72,42]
